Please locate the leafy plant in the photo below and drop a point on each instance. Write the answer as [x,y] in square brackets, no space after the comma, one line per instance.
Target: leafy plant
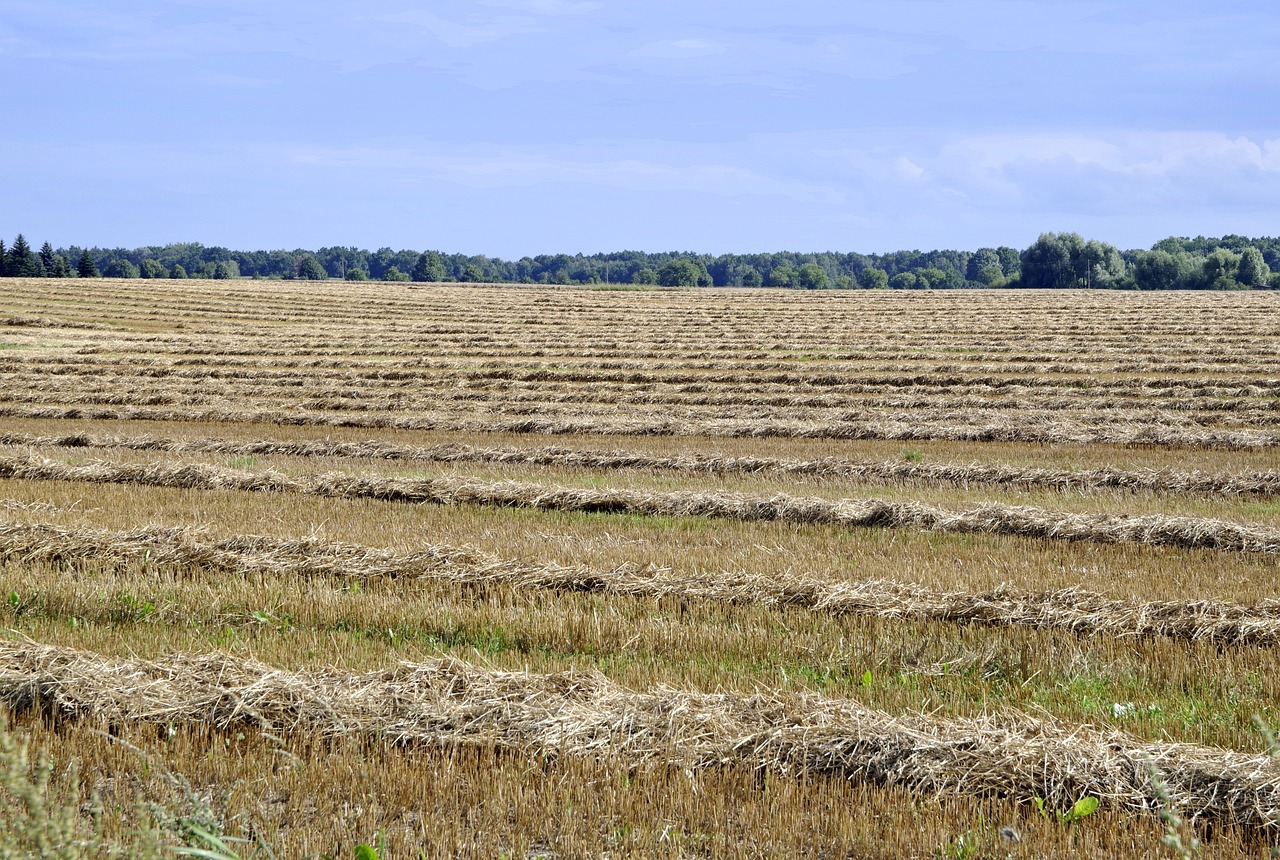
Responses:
[1082,808]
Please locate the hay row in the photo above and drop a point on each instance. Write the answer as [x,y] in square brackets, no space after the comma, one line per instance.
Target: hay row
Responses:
[355,394]
[1072,609]
[676,379]
[1019,520]
[448,703]
[1231,371]
[1254,483]
[1008,378]
[1033,428]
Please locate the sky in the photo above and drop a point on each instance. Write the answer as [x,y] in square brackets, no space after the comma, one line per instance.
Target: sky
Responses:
[523,127]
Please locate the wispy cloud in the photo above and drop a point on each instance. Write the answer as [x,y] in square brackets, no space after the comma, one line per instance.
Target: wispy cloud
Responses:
[675,49]
[547,7]
[516,168]
[476,30]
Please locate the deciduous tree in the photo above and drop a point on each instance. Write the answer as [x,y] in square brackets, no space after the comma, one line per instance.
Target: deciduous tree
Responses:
[1253,270]
[812,277]
[309,269]
[152,269]
[120,268]
[1220,269]
[429,268]
[872,278]
[680,273]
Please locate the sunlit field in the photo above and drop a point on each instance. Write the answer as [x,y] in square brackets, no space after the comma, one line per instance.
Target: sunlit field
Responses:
[490,571]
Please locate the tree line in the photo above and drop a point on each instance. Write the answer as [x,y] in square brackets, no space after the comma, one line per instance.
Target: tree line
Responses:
[1054,260]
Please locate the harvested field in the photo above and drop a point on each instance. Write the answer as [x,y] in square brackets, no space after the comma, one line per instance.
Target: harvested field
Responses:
[919,561]
[446,703]
[1255,483]
[1189,532]
[1069,609]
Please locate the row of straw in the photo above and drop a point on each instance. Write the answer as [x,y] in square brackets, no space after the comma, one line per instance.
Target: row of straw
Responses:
[1023,521]
[447,702]
[1033,428]
[1255,483]
[1072,609]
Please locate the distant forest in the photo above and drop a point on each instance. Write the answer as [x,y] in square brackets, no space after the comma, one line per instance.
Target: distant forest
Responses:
[1055,260]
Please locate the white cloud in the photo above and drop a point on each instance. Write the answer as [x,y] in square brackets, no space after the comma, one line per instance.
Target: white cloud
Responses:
[908,169]
[1132,155]
[677,49]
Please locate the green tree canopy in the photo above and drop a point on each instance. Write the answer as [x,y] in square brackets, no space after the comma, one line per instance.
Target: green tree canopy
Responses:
[48,260]
[429,268]
[1163,270]
[177,272]
[152,269]
[812,277]
[872,278]
[680,273]
[309,269]
[986,267]
[120,268]
[1062,260]
[23,263]
[980,261]
[782,276]
[357,275]
[394,274]
[644,275]
[1047,263]
[1253,270]
[1220,269]
[85,267]
[226,270]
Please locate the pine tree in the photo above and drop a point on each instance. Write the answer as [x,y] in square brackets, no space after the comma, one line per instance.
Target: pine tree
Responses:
[86,268]
[49,260]
[23,263]
[4,260]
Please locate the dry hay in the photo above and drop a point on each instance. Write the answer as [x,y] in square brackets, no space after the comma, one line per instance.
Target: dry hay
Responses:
[1073,609]
[448,702]
[1261,483]
[1018,520]
[1035,428]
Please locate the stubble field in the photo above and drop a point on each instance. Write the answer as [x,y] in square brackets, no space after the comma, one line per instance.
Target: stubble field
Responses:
[497,571]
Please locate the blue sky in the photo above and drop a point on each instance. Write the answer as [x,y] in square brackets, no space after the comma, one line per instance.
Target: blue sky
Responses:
[513,127]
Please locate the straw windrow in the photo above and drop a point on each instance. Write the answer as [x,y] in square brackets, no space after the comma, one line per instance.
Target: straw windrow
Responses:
[1262,483]
[1071,609]
[447,702]
[1035,427]
[1019,520]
